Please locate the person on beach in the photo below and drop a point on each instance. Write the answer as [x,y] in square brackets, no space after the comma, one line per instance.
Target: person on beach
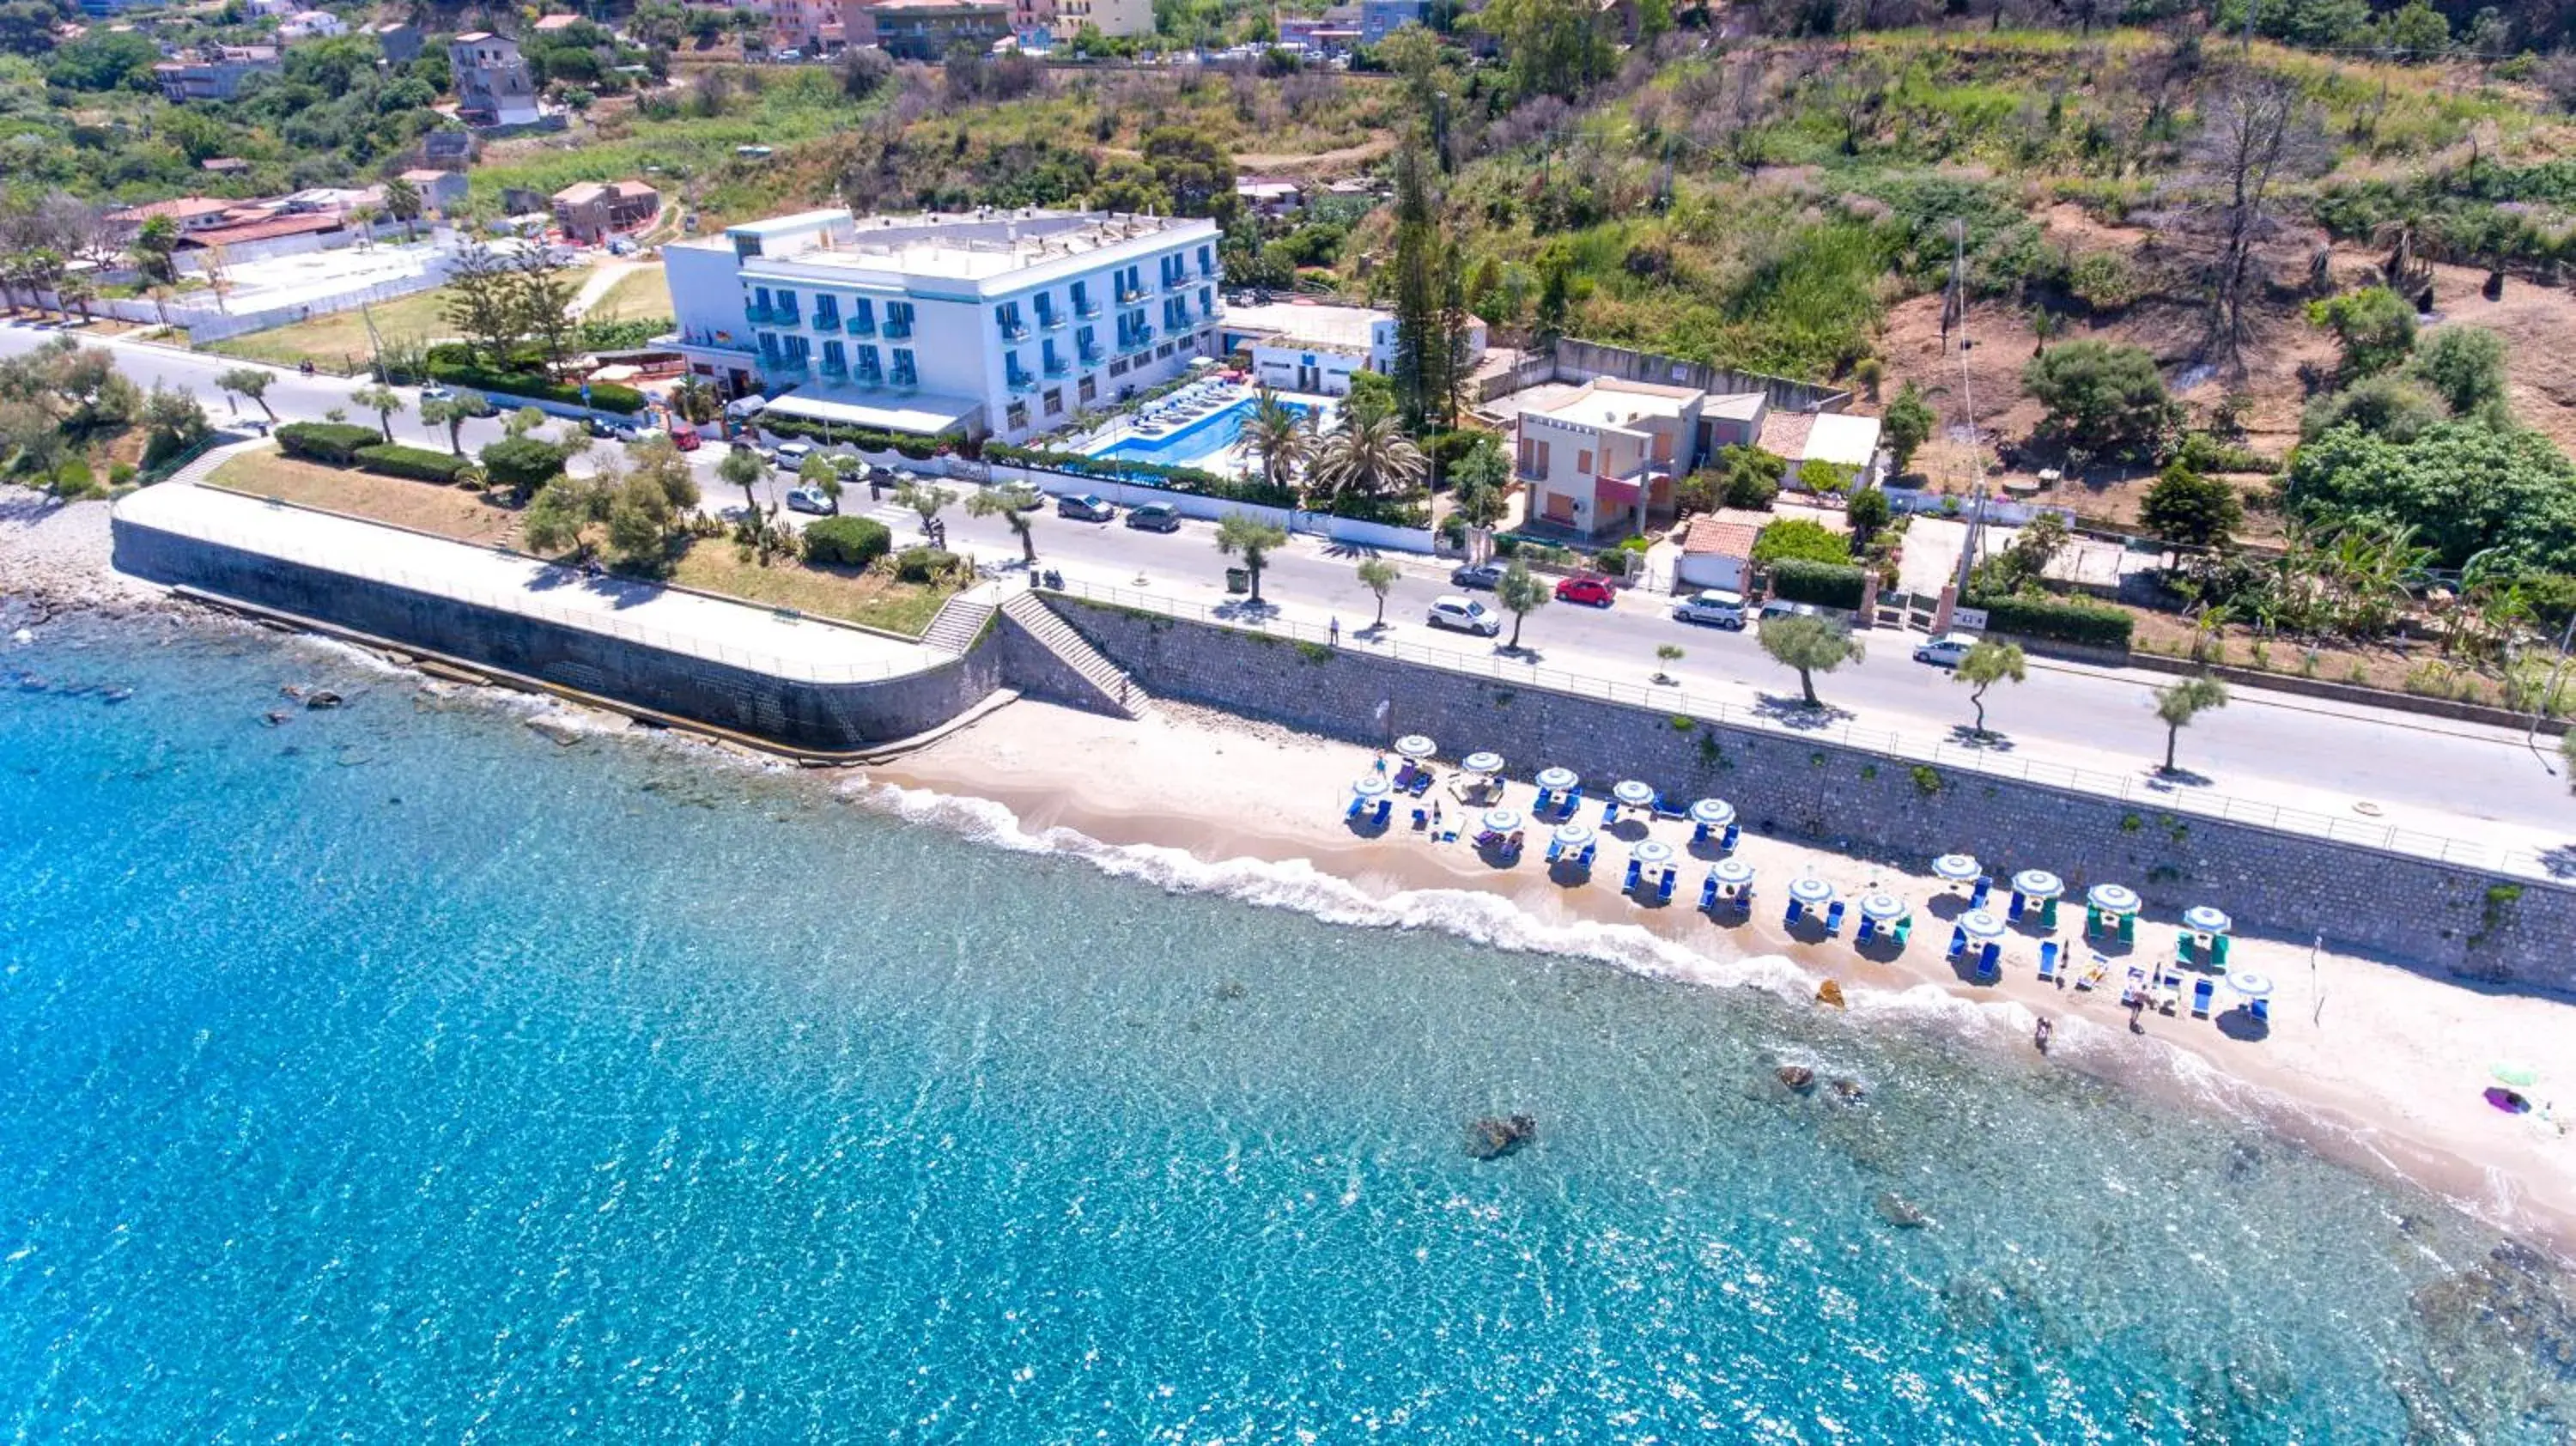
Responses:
[2040,1032]
[1335,631]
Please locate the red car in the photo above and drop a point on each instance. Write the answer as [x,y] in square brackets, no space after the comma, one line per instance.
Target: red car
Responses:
[1592,590]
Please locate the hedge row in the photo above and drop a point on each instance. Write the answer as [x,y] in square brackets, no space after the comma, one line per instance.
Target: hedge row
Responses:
[847,541]
[919,449]
[335,443]
[2036,615]
[446,366]
[1826,584]
[417,463]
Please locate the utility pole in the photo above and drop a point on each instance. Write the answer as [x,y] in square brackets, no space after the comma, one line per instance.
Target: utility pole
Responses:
[1968,412]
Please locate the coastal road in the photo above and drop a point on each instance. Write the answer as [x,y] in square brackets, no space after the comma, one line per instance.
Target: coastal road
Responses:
[2328,757]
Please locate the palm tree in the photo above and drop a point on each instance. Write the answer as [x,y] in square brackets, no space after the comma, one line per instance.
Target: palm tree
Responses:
[1379,576]
[403,203]
[694,400]
[1004,503]
[1370,458]
[1275,434]
[2178,705]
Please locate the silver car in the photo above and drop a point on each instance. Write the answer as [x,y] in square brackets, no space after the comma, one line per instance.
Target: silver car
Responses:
[1713,606]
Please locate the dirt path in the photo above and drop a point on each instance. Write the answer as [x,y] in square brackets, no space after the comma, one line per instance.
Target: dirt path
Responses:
[1268,162]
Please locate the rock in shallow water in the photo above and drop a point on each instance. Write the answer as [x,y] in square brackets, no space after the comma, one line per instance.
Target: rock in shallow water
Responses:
[1495,1136]
[1797,1077]
[1900,1212]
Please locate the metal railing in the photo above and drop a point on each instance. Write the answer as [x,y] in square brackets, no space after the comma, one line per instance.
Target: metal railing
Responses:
[1672,702]
[353,563]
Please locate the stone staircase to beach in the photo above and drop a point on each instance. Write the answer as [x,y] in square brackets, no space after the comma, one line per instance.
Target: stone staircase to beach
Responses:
[1115,692]
[960,620]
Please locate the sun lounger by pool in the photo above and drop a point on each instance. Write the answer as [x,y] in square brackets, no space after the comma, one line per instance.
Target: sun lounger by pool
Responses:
[2201,994]
[2048,962]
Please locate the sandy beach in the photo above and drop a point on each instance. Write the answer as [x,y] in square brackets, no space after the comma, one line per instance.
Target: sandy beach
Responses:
[2364,1061]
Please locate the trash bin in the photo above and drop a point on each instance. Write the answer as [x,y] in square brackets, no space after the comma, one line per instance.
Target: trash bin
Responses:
[1238,579]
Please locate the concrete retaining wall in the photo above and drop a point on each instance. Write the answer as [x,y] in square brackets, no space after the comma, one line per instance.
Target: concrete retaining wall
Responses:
[822,717]
[2512,932]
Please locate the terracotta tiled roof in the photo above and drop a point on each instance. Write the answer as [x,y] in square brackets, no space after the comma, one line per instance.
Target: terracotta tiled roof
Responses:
[1726,532]
[1784,434]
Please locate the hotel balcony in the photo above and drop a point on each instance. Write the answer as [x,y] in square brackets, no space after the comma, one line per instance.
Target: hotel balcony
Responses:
[1022,382]
[862,326]
[785,364]
[1015,331]
[1177,282]
[904,381]
[833,368]
[867,381]
[1054,366]
[767,316]
[897,330]
[1050,321]
[1085,306]
[1130,295]
[1090,354]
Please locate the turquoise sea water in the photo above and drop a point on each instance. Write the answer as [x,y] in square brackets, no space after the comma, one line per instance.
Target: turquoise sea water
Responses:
[395,1073]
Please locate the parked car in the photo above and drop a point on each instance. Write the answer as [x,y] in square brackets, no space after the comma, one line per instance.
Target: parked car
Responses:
[1022,497]
[1777,608]
[1155,517]
[1591,591]
[811,499]
[788,456]
[1465,615]
[1085,508]
[613,431]
[684,436]
[1713,606]
[1483,576]
[851,469]
[1946,652]
[435,392]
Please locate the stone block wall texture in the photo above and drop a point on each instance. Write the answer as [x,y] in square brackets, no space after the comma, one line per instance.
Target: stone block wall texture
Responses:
[823,717]
[2513,932]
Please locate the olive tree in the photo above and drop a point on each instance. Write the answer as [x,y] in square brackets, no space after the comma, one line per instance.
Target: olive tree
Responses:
[1987,664]
[2177,705]
[1242,533]
[1811,645]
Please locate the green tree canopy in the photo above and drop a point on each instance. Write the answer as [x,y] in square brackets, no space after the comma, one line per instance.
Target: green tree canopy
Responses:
[2374,325]
[1797,537]
[2102,397]
[2465,365]
[2464,486]
[2186,509]
[1909,423]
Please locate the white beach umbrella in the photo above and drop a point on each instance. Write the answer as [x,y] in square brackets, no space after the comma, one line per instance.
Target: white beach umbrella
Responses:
[1884,907]
[1416,746]
[2249,985]
[1558,780]
[1733,871]
[1714,812]
[1633,793]
[1982,924]
[1957,868]
[2112,899]
[2038,884]
[1573,835]
[1502,820]
[1653,853]
[2202,919]
[1808,889]
[1487,764]
[1370,785]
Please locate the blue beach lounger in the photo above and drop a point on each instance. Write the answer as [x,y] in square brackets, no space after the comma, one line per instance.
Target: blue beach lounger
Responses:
[1867,931]
[2262,1011]
[1958,942]
[2048,962]
[1990,962]
[2201,994]
[1734,831]
[1385,811]
[1629,885]
[2013,910]
[1904,930]
[1985,886]
[1664,888]
[1796,911]
[1834,919]
[1610,813]
[1555,851]
[1708,892]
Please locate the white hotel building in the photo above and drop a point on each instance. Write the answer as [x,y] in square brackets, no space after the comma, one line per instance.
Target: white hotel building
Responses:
[1000,323]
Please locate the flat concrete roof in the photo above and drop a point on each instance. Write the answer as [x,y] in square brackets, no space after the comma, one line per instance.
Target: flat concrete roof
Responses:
[1348,328]
[927,415]
[737,634]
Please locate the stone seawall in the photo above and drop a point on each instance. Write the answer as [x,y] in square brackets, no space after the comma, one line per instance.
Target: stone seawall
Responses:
[821,717]
[2435,917]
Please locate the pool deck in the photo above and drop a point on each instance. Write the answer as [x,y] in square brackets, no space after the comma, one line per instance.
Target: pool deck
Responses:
[1123,433]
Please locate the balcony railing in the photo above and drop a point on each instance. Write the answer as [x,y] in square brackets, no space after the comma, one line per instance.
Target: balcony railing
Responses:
[1130,295]
[1023,382]
[904,381]
[1050,321]
[1015,331]
[763,315]
[897,330]
[866,380]
[787,364]
[862,325]
[833,368]
[1177,281]
[1085,306]
[1089,353]
[1053,366]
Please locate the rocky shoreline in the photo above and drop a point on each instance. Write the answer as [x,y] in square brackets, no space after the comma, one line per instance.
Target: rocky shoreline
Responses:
[58,557]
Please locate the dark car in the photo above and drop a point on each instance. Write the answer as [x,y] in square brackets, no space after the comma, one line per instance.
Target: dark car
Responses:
[1155,517]
[1085,508]
[1593,591]
[1483,576]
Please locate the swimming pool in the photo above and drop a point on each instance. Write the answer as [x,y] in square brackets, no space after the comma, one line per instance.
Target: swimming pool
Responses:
[1194,444]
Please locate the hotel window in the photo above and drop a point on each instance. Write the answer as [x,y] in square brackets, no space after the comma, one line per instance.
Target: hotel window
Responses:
[760,298]
[1017,416]
[862,316]
[1118,366]
[1044,304]
[1583,461]
[834,358]
[827,314]
[867,360]
[898,319]
[1055,401]
[904,376]
[1086,391]
[1082,298]
[1207,261]
[787,304]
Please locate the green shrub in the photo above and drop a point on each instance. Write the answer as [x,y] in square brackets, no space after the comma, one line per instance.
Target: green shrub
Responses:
[1826,584]
[521,464]
[335,443]
[418,463]
[446,366]
[847,541]
[2065,620]
[923,564]
[1798,537]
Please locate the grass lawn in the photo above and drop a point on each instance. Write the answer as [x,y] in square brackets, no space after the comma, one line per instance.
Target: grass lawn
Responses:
[871,598]
[447,511]
[638,294]
[337,342]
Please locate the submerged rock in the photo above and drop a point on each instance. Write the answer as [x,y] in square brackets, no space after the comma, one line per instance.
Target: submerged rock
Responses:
[1495,1136]
[1849,1091]
[1900,1212]
[274,717]
[322,698]
[1797,1077]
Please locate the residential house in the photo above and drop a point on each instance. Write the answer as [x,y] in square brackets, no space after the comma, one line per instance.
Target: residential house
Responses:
[1839,438]
[308,24]
[1717,549]
[815,27]
[493,83]
[592,211]
[440,191]
[193,213]
[1308,346]
[1382,18]
[1601,461]
[447,150]
[1335,32]
[224,165]
[996,322]
[555,24]
[1269,195]
[218,73]
[927,30]
[1109,17]
[271,9]
[399,41]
